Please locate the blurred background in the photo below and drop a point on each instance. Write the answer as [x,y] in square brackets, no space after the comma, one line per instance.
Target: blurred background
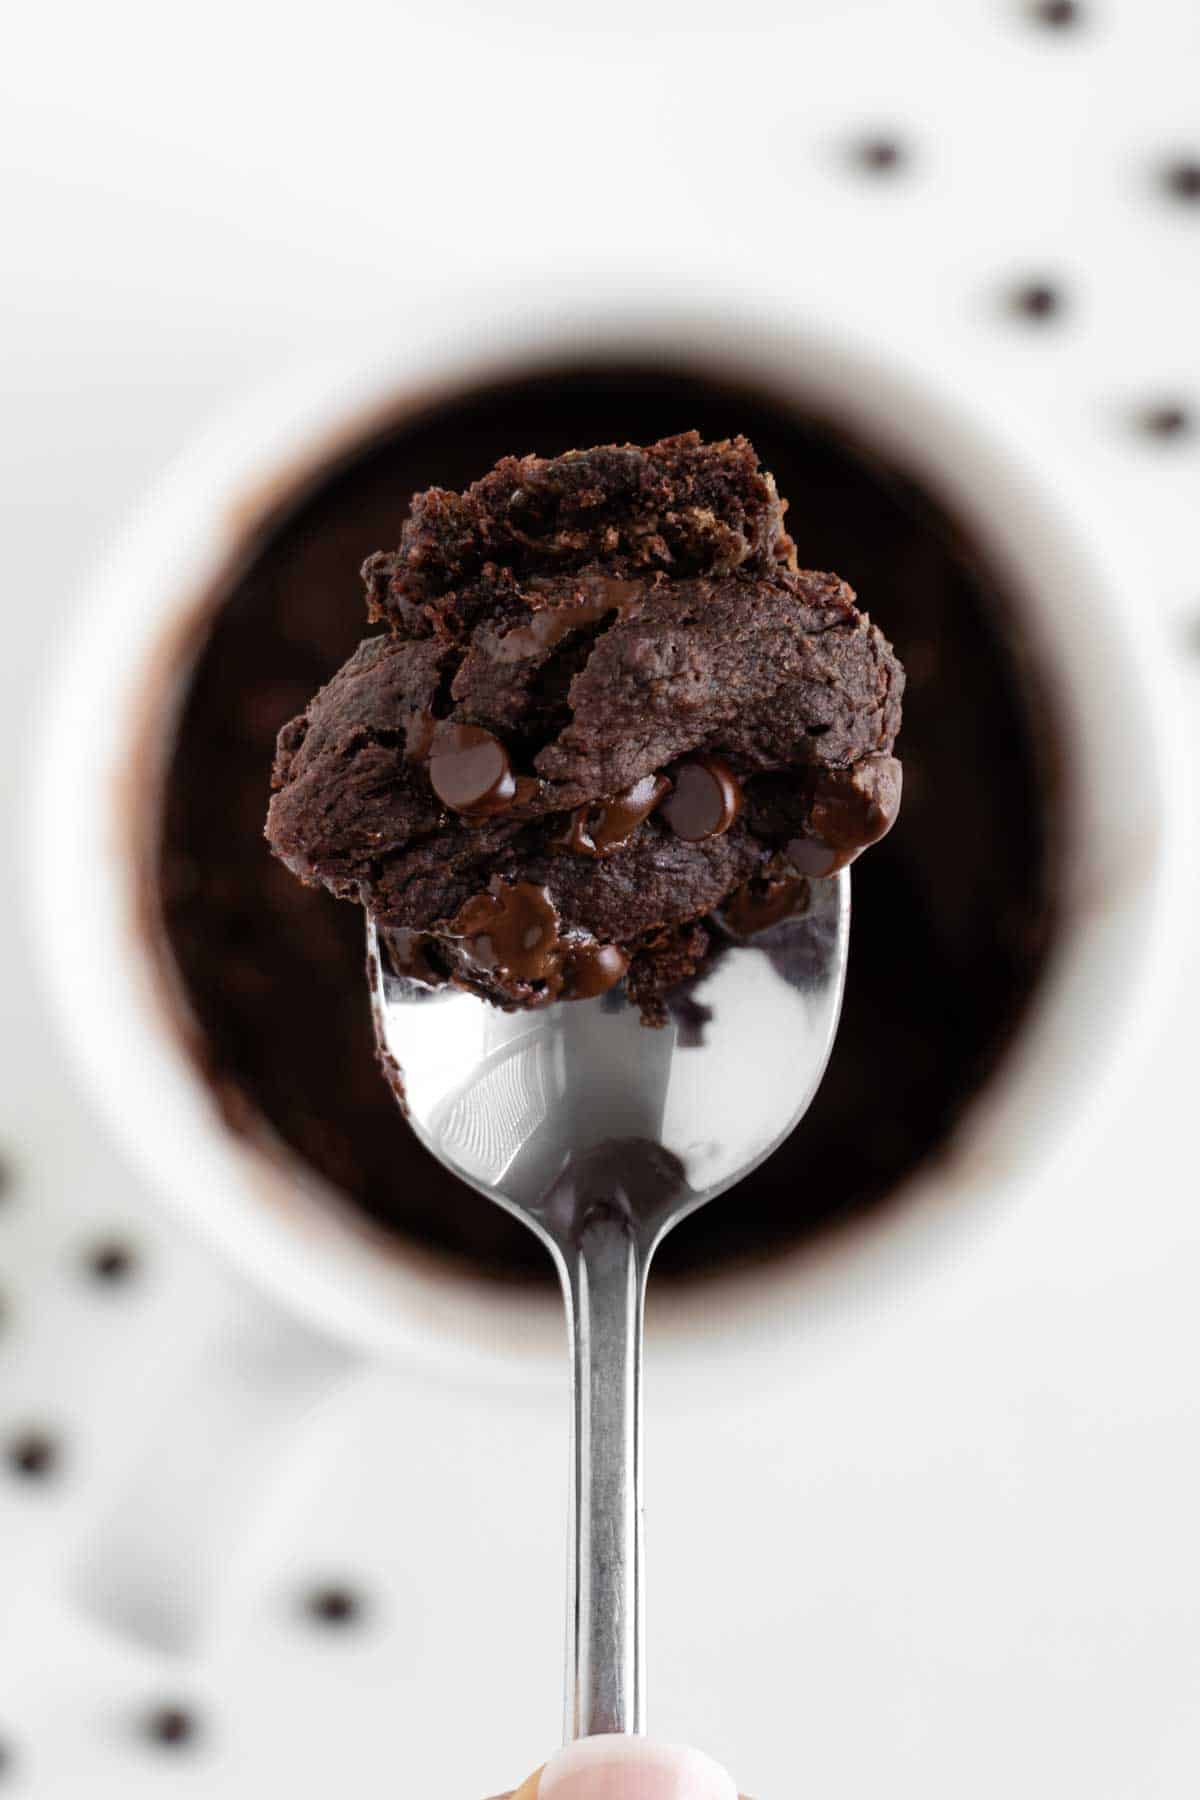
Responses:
[944,1545]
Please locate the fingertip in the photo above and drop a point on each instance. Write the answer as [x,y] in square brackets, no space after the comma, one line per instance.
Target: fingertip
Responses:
[629,1768]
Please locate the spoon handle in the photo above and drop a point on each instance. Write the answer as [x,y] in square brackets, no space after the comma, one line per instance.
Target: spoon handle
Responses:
[604,1285]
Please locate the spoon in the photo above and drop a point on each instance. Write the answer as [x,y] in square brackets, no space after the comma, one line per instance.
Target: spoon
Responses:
[602,1134]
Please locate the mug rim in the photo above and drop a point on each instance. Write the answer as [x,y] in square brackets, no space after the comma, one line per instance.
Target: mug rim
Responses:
[308,1253]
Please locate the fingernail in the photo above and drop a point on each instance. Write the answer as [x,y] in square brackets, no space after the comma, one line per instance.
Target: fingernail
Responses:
[629,1768]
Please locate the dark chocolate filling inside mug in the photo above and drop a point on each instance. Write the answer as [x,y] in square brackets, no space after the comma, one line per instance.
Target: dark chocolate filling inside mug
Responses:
[952,915]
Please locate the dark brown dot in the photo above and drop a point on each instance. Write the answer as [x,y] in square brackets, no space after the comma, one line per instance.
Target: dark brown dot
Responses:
[1169,420]
[33,1454]
[879,155]
[1037,300]
[1058,13]
[339,1606]
[110,1261]
[171,1726]
[1182,179]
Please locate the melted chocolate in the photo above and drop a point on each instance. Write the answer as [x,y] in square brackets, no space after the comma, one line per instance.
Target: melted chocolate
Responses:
[511,930]
[853,808]
[951,926]
[513,933]
[592,969]
[763,902]
[597,597]
[603,826]
[850,810]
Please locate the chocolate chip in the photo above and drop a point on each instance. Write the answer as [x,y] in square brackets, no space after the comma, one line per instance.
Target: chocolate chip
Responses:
[593,969]
[813,856]
[606,825]
[470,771]
[1182,178]
[1058,13]
[339,1606]
[848,810]
[854,807]
[1166,421]
[705,799]
[1037,300]
[879,155]
[171,1726]
[110,1261]
[510,931]
[33,1454]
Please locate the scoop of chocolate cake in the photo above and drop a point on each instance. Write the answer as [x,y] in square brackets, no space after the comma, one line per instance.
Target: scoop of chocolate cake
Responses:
[610,716]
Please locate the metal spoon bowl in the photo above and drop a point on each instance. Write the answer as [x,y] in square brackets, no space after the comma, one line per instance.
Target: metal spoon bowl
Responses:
[602,1134]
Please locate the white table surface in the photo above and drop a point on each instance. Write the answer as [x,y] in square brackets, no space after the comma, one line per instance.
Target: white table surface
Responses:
[954,1552]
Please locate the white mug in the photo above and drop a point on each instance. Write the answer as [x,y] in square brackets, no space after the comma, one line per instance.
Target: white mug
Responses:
[97,790]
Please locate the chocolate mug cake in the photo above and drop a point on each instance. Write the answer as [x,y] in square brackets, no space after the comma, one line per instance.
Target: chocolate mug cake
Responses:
[953,912]
[609,721]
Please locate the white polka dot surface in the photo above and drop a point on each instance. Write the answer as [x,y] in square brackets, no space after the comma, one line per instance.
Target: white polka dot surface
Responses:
[947,1549]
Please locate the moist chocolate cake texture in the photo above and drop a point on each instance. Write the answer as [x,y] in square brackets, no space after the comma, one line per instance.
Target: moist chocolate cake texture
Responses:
[954,913]
[607,705]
